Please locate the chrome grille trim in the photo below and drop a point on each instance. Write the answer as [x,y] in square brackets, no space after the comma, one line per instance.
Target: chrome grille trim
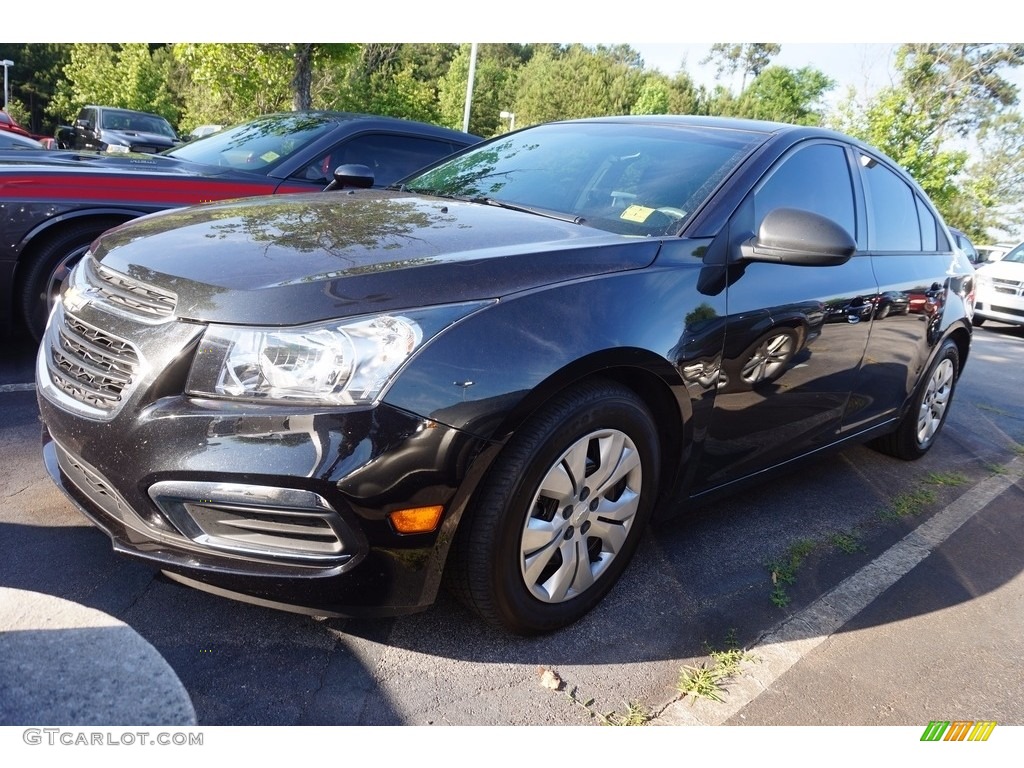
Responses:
[128,293]
[92,367]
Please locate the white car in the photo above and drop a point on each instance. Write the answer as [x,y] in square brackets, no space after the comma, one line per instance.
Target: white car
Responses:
[999,289]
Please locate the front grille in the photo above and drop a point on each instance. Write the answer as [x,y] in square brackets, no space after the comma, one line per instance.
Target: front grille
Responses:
[89,365]
[129,293]
[1007,310]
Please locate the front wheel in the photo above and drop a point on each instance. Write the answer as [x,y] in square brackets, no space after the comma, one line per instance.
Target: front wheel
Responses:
[921,424]
[561,512]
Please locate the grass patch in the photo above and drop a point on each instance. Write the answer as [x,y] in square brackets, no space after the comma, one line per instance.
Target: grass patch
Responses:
[783,569]
[996,469]
[847,543]
[634,714]
[1018,449]
[909,504]
[952,479]
[706,681]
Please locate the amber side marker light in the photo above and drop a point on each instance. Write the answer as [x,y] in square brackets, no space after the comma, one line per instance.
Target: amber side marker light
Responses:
[416,520]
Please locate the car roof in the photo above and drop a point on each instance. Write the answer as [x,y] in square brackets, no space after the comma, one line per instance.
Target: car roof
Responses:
[371,121]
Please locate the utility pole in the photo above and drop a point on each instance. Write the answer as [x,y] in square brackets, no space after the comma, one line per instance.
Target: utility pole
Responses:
[469,88]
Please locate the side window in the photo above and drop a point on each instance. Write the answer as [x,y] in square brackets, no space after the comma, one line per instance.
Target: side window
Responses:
[892,210]
[389,156]
[816,179]
[929,227]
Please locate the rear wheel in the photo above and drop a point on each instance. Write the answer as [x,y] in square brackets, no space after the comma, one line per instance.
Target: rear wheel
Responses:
[50,264]
[561,512]
[921,424]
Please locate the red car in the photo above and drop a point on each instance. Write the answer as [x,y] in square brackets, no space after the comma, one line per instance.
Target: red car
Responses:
[54,204]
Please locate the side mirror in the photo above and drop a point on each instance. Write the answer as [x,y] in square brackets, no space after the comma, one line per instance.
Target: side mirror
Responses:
[798,237]
[351,175]
[84,124]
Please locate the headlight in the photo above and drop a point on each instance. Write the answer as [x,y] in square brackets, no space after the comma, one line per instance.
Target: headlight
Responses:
[118,149]
[342,362]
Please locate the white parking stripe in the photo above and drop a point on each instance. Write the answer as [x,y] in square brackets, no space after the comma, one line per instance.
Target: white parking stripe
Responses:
[785,645]
[16,388]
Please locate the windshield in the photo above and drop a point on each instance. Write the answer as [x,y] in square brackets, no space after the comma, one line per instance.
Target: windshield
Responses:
[116,120]
[258,145]
[638,179]
[1016,255]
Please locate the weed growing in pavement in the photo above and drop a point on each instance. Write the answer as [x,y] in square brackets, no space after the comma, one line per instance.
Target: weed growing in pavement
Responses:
[848,543]
[635,713]
[996,469]
[705,681]
[783,570]
[952,479]
[909,504]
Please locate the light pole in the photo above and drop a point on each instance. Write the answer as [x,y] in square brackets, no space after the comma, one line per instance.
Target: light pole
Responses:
[511,117]
[6,63]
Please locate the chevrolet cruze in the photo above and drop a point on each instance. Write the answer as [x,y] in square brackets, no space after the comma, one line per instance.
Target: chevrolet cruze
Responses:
[498,371]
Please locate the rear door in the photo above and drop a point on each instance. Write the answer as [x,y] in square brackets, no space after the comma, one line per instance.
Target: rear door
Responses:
[912,259]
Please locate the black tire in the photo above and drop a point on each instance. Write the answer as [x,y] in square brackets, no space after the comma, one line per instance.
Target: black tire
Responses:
[516,558]
[923,421]
[977,320]
[48,267]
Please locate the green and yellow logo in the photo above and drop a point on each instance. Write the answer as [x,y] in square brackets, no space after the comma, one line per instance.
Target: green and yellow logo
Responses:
[958,730]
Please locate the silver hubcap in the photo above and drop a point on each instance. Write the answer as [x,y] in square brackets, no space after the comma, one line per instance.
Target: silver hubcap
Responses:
[935,402]
[580,516]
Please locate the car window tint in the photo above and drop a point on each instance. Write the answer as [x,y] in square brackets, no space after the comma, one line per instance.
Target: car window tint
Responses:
[929,227]
[390,157]
[815,178]
[892,208]
[637,180]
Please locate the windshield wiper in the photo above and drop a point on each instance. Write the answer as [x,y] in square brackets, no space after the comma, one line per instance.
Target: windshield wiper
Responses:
[546,213]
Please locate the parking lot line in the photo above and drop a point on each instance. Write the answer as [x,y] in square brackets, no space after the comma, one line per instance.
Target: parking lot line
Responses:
[783,646]
[16,388]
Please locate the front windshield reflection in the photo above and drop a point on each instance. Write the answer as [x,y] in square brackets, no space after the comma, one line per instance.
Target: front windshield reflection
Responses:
[630,179]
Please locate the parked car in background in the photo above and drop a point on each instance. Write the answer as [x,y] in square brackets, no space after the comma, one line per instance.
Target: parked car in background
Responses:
[203,130]
[9,140]
[987,253]
[56,203]
[9,126]
[1000,289]
[501,367]
[964,244]
[115,130]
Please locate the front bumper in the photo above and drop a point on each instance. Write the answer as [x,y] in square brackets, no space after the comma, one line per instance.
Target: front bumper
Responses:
[283,506]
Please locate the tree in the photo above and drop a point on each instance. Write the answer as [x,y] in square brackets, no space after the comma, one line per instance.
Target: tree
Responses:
[38,68]
[497,69]
[785,95]
[128,75]
[227,83]
[576,82]
[747,58]
[946,94]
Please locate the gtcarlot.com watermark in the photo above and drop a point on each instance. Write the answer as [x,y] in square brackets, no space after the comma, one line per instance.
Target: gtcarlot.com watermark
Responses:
[70,737]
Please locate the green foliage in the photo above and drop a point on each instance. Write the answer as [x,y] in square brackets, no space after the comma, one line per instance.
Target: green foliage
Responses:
[558,84]
[229,83]
[129,75]
[497,68]
[785,95]
[38,68]
[750,59]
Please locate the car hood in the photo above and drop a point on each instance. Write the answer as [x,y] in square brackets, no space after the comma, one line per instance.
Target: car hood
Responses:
[1007,270]
[18,163]
[294,259]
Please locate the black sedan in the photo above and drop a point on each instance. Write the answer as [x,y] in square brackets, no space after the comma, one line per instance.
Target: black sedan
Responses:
[502,368]
[54,204]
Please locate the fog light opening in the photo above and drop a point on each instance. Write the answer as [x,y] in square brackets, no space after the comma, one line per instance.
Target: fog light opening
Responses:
[416,520]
